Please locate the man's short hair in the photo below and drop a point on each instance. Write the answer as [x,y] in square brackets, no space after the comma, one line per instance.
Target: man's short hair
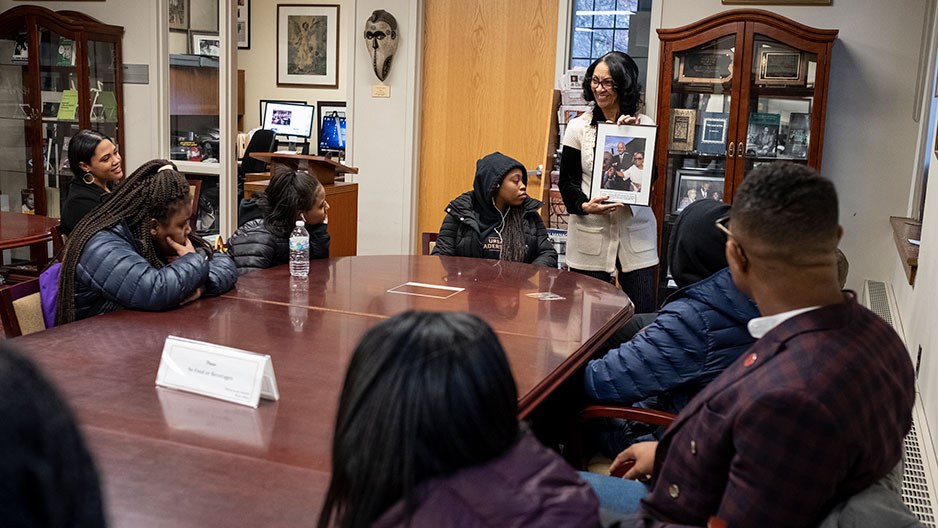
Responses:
[787,206]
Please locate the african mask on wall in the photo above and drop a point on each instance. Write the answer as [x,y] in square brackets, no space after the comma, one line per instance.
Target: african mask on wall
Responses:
[381,36]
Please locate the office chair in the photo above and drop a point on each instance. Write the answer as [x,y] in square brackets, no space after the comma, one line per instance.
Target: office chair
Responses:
[261,141]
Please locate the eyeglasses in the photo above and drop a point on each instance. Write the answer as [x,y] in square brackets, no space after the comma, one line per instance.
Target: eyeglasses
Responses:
[639,158]
[606,83]
[721,224]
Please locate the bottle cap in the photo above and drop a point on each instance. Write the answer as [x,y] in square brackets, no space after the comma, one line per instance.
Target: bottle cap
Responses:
[300,223]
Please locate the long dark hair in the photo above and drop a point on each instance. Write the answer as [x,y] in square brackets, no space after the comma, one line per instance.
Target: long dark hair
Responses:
[624,73]
[289,193]
[425,395]
[513,248]
[149,193]
[81,149]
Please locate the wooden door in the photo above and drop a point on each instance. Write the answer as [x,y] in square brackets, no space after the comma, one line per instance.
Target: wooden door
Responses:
[487,85]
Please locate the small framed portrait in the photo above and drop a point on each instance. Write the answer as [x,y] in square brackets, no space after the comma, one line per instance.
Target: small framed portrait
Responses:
[207,45]
[178,14]
[693,185]
[620,170]
[244,24]
[308,45]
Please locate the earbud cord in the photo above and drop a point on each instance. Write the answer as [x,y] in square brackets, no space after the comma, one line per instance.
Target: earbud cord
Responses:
[501,226]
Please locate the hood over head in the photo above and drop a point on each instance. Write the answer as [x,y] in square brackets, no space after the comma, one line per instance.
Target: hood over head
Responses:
[696,249]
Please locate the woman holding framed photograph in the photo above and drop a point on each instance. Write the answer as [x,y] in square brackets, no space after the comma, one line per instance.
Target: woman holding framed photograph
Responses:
[604,237]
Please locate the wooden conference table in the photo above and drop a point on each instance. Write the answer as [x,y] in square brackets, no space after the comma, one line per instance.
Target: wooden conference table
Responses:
[19,230]
[169,458]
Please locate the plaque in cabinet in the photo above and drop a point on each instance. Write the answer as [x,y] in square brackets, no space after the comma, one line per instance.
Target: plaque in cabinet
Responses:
[706,66]
[781,67]
[682,130]
[713,127]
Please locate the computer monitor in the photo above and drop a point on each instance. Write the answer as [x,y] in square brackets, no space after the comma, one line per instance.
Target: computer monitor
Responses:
[287,119]
[332,130]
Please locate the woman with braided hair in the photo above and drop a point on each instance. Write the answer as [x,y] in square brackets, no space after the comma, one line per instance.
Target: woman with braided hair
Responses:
[497,219]
[136,251]
[264,242]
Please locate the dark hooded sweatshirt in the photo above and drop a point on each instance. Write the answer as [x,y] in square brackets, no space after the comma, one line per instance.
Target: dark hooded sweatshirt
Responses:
[469,229]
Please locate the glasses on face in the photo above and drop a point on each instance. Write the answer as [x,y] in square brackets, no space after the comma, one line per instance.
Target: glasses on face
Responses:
[722,224]
[638,158]
[606,83]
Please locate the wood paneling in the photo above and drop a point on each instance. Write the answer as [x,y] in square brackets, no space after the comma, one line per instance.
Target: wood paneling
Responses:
[488,79]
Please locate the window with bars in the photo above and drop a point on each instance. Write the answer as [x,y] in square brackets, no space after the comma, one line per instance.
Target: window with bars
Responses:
[601,26]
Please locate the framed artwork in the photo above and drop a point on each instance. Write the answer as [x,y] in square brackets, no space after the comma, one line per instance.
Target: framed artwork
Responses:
[178,14]
[331,136]
[308,45]
[682,128]
[619,168]
[207,45]
[692,185]
[244,24]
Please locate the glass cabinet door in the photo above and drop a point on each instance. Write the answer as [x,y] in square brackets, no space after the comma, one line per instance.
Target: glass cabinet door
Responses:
[102,82]
[59,94]
[699,128]
[780,104]
[17,119]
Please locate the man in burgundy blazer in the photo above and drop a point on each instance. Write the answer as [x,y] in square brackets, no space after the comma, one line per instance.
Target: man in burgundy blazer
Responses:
[810,415]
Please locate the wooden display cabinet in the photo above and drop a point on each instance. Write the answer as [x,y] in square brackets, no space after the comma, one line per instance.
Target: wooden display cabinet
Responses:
[60,72]
[736,89]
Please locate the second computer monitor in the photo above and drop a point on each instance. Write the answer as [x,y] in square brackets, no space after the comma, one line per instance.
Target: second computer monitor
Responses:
[288,119]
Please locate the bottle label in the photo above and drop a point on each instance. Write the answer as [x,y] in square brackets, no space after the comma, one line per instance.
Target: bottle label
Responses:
[299,243]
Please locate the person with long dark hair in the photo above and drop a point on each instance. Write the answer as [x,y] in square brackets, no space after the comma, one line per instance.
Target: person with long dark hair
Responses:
[604,237]
[427,432]
[265,242]
[94,159]
[137,250]
[497,219]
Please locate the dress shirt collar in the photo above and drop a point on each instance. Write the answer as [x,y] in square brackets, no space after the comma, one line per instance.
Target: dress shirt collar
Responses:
[760,326]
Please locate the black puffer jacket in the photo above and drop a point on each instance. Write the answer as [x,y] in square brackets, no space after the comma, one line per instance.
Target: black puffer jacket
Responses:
[112,274]
[472,215]
[253,247]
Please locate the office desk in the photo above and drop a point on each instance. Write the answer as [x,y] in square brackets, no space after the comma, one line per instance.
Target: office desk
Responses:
[169,458]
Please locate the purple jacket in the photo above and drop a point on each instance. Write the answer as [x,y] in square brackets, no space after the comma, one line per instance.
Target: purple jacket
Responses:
[810,415]
[528,486]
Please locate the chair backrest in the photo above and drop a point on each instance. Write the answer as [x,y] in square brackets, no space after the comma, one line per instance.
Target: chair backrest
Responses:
[261,141]
[195,188]
[21,309]
[427,241]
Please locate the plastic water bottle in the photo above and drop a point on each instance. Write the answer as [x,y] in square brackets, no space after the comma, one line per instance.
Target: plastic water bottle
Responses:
[299,251]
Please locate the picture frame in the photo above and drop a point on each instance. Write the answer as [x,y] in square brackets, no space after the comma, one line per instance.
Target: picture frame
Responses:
[308,45]
[682,129]
[244,24]
[178,14]
[618,175]
[688,183]
[324,109]
[706,66]
[206,45]
[781,67]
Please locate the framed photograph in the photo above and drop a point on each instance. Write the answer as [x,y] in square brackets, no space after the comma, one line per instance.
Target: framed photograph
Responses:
[712,66]
[619,168]
[762,135]
[178,14]
[331,135]
[207,45]
[568,112]
[692,185]
[781,67]
[244,24]
[308,45]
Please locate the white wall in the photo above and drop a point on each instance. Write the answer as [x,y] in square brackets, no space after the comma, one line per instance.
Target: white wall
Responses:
[260,61]
[384,146]
[870,135]
[139,20]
